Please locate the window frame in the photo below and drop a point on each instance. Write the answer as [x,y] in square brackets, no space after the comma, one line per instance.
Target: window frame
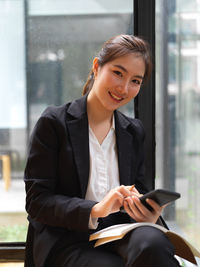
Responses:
[144,26]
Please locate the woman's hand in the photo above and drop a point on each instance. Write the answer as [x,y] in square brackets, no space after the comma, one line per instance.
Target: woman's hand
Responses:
[136,210]
[111,202]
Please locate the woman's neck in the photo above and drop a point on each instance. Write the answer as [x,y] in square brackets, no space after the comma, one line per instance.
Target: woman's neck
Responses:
[100,119]
[96,112]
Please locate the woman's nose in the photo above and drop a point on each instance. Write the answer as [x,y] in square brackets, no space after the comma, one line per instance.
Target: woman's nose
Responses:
[122,88]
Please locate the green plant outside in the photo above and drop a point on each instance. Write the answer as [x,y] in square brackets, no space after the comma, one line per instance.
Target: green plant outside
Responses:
[13,233]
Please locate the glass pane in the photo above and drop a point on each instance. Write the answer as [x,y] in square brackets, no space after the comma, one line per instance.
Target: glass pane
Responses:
[64,36]
[13,121]
[58,43]
[178,111]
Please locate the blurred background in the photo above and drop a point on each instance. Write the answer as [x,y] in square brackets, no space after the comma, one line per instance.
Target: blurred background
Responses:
[46,52]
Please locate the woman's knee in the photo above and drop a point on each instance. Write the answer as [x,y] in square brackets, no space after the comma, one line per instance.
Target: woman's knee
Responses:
[146,246]
[148,237]
[150,240]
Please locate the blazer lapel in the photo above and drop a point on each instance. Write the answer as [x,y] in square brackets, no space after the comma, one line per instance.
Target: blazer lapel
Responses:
[79,136]
[124,145]
[78,131]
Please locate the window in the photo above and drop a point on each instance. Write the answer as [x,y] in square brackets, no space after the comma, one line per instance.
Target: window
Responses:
[13,121]
[63,37]
[47,48]
[178,111]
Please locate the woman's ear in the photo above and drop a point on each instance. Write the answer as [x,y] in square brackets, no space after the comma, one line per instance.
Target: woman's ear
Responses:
[95,66]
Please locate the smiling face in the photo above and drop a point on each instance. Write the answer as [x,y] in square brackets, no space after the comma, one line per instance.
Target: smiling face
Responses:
[118,81]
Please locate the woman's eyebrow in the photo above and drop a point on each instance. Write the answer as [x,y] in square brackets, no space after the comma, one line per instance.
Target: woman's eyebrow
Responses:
[121,67]
[125,70]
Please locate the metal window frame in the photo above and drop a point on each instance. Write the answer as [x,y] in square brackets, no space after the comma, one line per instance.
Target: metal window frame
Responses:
[12,251]
[144,26]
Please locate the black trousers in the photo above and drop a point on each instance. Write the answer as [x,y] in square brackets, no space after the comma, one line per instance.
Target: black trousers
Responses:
[143,247]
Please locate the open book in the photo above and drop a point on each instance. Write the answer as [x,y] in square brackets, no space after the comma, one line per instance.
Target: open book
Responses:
[182,247]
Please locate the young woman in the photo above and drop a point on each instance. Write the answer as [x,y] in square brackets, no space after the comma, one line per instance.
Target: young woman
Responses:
[84,156]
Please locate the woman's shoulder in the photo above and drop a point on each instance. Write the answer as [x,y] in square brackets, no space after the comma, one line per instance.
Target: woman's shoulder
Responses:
[68,111]
[55,112]
[133,124]
[52,119]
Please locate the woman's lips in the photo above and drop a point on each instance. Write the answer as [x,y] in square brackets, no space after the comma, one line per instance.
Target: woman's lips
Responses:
[115,97]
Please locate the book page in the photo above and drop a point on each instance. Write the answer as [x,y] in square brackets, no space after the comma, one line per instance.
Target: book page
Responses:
[183,248]
[116,230]
[107,240]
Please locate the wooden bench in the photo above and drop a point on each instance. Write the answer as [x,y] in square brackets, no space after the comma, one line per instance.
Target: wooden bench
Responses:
[6,170]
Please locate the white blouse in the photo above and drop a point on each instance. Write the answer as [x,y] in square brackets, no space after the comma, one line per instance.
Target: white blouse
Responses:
[104,171]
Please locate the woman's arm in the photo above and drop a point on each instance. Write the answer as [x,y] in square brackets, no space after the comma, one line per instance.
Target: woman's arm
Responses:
[44,203]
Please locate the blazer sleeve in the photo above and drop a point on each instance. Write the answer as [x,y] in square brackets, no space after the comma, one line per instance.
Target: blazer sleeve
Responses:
[43,204]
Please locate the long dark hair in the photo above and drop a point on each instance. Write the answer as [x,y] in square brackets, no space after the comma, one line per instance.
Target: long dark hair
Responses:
[118,46]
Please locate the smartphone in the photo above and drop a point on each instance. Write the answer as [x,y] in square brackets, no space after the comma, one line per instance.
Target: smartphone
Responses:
[161,196]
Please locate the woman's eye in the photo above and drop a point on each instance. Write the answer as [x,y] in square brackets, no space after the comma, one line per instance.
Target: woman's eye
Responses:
[118,73]
[136,82]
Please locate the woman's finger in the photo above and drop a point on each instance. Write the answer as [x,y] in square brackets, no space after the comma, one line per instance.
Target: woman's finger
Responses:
[156,207]
[128,210]
[125,190]
[134,209]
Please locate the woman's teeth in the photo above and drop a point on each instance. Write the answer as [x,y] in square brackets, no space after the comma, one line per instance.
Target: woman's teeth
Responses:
[116,97]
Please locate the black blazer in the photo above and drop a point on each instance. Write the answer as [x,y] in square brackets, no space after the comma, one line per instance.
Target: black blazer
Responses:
[57,171]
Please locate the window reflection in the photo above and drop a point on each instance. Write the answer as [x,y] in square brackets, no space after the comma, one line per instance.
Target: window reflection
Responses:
[178,110]
[61,49]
